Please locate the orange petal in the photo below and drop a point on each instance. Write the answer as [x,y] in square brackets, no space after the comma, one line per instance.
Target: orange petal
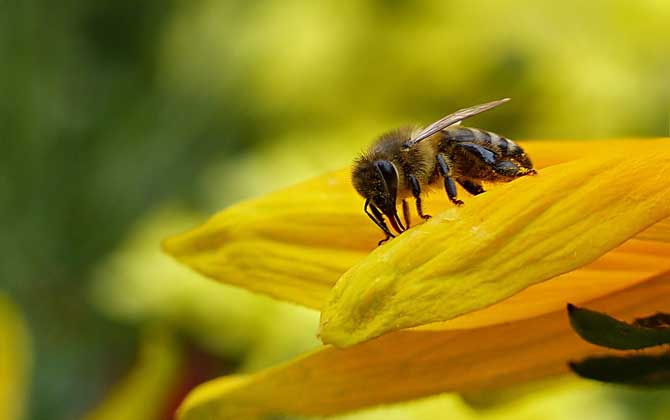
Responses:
[409,364]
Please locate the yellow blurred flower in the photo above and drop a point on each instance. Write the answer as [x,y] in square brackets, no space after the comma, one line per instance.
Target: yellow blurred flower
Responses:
[472,279]
[146,390]
[15,361]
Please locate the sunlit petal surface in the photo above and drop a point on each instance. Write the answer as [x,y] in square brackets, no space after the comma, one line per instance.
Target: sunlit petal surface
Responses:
[295,243]
[628,264]
[410,364]
[528,231]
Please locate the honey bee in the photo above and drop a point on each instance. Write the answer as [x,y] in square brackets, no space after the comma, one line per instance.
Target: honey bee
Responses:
[400,164]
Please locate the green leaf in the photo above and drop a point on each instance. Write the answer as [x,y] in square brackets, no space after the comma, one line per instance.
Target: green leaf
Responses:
[658,320]
[631,370]
[603,330]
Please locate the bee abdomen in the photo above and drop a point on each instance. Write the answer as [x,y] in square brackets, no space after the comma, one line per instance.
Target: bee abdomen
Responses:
[503,147]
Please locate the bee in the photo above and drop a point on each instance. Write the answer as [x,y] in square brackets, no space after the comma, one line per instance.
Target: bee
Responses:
[400,164]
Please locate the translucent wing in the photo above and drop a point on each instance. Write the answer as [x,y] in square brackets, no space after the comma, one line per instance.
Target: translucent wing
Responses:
[452,119]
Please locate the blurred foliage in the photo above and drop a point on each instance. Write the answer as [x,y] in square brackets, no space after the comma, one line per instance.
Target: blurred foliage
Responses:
[112,109]
[90,141]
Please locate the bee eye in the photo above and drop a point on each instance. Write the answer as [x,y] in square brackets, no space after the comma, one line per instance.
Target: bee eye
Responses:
[387,170]
[390,177]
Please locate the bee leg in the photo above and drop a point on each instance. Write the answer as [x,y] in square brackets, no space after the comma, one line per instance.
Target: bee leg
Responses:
[377,217]
[472,187]
[444,167]
[416,192]
[480,152]
[405,212]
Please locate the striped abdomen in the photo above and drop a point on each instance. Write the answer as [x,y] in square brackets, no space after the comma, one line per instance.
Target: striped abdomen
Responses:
[502,147]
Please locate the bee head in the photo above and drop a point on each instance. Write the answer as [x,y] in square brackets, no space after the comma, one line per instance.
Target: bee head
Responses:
[377,181]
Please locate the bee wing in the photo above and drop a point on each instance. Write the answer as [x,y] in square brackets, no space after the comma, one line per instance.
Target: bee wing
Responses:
[452,119]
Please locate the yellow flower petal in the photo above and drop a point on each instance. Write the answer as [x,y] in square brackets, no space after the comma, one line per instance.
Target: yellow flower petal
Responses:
[410,364]
[659,232]
[631,263]
[15,361]
[295,243]
[292,244]
[522,233]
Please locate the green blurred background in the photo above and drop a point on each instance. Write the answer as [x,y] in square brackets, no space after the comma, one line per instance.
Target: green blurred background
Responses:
[123,122]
